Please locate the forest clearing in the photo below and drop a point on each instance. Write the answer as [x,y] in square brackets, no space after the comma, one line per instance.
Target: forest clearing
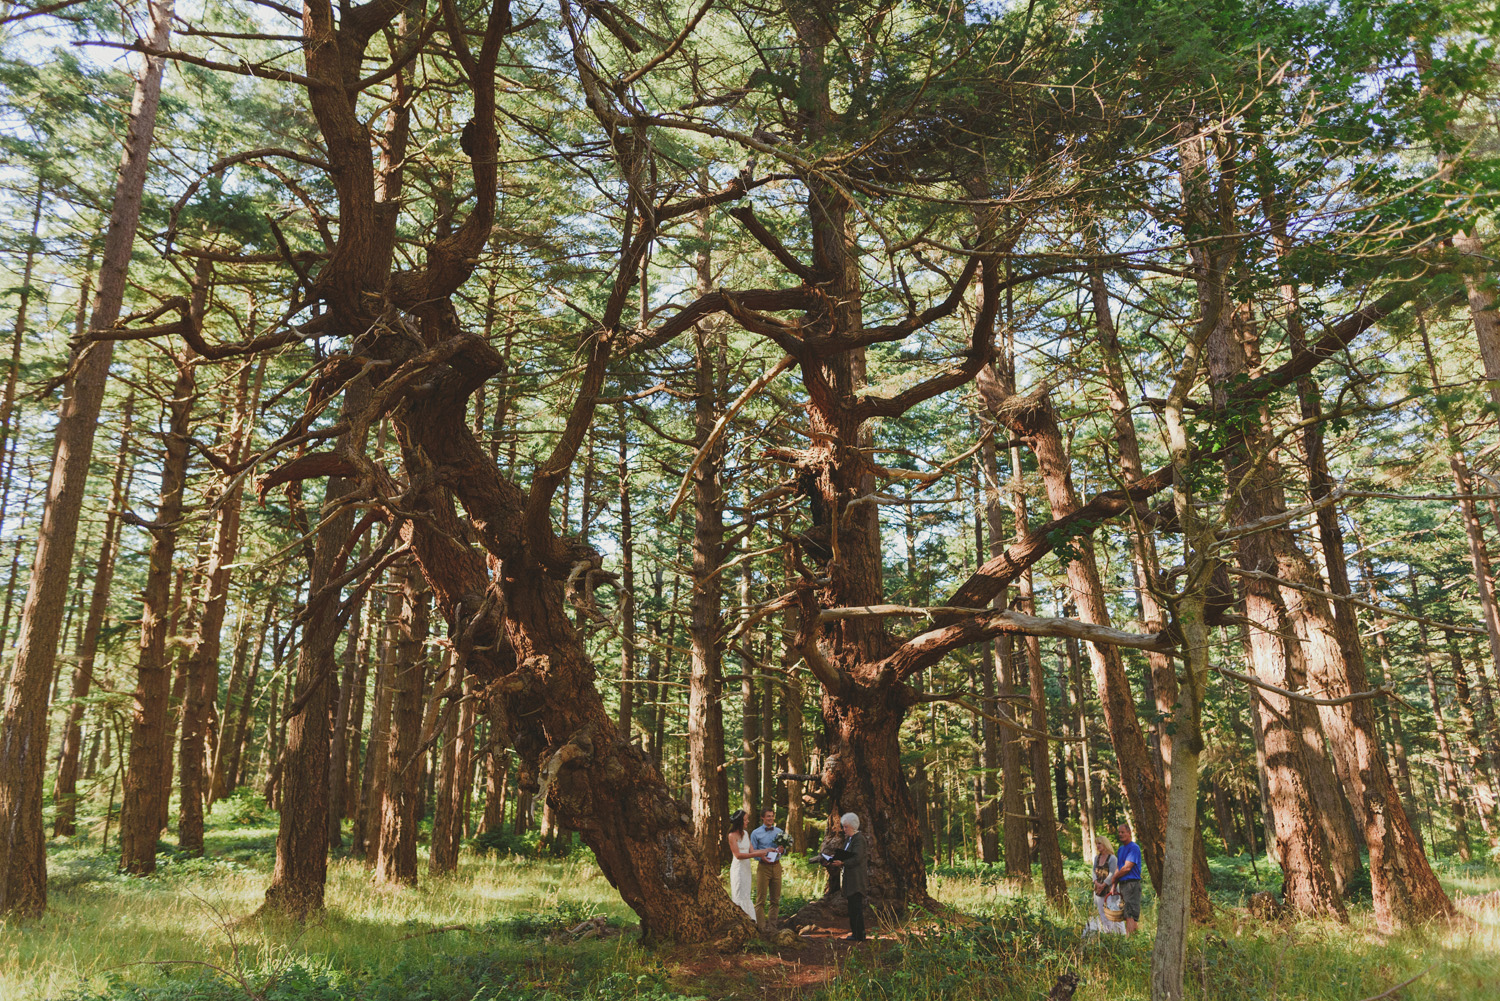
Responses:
[494,929]
[786,498]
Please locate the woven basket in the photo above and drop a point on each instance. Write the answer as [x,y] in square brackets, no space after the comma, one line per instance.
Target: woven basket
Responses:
[1114,907]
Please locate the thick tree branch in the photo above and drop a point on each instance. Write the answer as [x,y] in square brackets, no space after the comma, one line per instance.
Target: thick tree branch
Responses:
[998,572]
[925,650]
[747,218]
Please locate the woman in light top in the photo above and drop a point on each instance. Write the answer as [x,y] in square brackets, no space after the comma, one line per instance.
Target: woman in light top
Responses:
[741,870]
[1104,868]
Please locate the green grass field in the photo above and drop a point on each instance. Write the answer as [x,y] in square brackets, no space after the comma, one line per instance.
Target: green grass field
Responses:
[482,934]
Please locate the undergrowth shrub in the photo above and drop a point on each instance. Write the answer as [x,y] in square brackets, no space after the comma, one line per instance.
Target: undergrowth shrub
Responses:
[535,924]
[1019,931]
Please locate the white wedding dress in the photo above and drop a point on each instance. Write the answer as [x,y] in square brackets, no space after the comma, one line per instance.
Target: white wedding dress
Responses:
[742,879]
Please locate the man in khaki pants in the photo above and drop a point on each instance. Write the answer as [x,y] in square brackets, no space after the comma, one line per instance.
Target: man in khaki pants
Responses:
[767,870]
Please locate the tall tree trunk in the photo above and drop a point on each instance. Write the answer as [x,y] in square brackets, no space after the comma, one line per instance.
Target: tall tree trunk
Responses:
[496,784]
[796,823]
[1480,775]
[270,750]
[705,723]
[378,748]
[23,749]
[396,856]
[443,857]
[1403,886]
[1088,819]
[1048,848]
[1479,557]
[18,336]
[1301,846]
[65,790]
[236,693]
[1312,651]
[1452,788]
[766,797]
[987,747]
[1142,544]
[301,872]
[997,659]
[203,658]
[654,687]
[1032,418]
[1181,838]
[235,756]
[627,581]
[749,722]
[339,737]
[146,788]
[183,611]
[355,727]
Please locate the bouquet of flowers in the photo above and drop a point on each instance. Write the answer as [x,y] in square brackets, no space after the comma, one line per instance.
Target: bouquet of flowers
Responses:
[782,842]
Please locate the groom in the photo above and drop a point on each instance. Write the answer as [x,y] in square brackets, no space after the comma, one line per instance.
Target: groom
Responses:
[767,874]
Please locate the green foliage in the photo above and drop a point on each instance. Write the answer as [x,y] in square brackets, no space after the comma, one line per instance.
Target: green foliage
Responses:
[471,978]
[529,844]
[560,917]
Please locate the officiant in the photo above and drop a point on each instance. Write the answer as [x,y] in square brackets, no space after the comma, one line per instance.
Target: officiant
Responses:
[854,867]
[772,840]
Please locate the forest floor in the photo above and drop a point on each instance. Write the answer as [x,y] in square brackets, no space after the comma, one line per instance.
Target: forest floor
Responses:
[495,932]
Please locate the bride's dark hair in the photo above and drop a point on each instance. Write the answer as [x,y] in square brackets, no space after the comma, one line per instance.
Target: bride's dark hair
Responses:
[737,821]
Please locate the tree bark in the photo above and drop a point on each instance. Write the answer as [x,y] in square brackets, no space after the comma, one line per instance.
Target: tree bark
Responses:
[1032,418]
[23,748]
[1312,652]
[998,658]
[1142,544]
[1404,888]
[396,856]
[146,787]
[237,754]
[1453,789]
[301,871]
[378,748]
[627,581]
[203,658]
[65,790]
[1480,776]
[338,747]
[1301,846]
[707,779]
[446,829]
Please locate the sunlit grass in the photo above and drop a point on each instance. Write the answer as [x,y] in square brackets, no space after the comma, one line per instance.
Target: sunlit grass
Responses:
[103,931]
[205,910]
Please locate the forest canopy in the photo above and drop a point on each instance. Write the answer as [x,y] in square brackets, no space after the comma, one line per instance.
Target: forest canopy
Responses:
[467,426]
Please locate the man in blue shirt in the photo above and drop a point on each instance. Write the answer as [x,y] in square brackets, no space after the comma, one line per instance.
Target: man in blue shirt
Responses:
[767,870]
[1127,879]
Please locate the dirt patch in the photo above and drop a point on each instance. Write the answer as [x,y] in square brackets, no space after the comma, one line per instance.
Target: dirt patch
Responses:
[764,972]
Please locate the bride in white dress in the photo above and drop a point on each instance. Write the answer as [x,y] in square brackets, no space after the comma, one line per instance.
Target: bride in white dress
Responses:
[741,870]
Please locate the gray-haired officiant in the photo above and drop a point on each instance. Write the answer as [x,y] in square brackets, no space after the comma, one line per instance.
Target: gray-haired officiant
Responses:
[855,873]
